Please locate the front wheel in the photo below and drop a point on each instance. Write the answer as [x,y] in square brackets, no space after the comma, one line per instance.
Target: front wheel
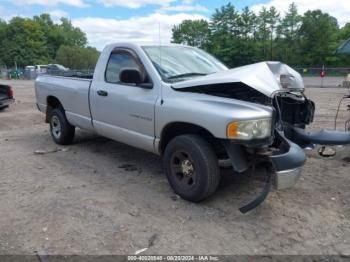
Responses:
[61,131]
[191,167]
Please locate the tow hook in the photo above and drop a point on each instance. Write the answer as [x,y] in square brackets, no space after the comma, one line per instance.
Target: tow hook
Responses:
[260,198]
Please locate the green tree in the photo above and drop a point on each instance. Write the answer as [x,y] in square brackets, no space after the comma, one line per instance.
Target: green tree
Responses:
[225,34]
[73,36]
[288,31]
[191,32]
[54,35]
[268,20]
[301,40]
[24,43]
[3,27]
[344,32]
[263,33]
[246,42]
[273,20]
[247,23]
[318,38]
[76,57]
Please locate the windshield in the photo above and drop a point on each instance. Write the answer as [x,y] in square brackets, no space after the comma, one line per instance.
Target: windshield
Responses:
[177,63]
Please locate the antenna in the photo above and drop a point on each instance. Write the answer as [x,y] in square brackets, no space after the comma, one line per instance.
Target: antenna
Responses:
[160,63]
[159,45]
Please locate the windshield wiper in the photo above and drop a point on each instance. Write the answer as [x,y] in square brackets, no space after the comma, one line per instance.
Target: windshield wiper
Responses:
[186,75]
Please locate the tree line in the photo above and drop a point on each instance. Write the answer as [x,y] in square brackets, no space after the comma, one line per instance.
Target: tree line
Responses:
[236,37]
[38,40]
[244,37]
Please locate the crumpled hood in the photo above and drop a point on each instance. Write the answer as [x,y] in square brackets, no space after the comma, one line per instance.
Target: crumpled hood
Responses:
[265,77]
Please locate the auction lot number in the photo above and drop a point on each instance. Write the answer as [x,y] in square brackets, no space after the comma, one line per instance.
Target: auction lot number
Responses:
[173,258]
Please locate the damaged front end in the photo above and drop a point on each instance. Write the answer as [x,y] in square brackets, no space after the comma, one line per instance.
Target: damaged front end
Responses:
[295,112]
[278,86]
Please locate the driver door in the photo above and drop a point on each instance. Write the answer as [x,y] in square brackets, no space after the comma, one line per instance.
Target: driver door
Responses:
[120,111]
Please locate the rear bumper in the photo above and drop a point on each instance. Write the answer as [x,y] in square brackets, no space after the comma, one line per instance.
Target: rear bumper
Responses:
[6,102]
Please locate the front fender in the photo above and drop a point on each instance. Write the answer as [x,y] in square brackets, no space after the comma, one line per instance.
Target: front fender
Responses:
[209,112]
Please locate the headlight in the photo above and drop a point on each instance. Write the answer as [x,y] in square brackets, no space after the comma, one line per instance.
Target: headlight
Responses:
[248,130]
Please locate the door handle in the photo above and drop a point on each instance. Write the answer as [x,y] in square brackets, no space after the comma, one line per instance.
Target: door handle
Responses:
[102,93]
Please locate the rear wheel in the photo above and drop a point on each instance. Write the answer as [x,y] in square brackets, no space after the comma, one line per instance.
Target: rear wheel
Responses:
[3,107]
[61,131]
[191,167]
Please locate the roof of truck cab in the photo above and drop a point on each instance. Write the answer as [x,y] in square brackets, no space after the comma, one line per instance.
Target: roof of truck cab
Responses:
[133,44]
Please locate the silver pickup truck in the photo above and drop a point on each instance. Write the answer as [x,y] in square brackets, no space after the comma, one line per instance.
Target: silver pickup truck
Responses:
[183,104]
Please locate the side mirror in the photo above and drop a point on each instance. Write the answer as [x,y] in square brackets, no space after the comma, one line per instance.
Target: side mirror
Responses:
[133,76]
[130,76]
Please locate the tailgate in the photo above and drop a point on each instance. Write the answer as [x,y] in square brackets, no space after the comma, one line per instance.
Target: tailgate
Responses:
[4,92]
[3,96]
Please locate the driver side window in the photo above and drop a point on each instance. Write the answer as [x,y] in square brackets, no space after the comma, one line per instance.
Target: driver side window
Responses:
[116,63]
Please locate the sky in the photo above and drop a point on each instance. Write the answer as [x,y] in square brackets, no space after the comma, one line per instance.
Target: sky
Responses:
[108,21]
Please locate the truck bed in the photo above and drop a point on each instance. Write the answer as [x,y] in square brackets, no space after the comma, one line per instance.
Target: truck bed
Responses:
[85,74]
[71,91]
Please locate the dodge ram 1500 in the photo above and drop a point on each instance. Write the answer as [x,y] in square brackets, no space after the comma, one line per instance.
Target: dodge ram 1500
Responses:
[185,105]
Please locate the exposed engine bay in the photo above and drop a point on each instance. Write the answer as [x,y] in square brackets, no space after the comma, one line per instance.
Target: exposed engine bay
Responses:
[292,108]
[272,84]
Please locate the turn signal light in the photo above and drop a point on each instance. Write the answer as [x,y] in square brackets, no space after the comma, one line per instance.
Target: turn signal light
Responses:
[232,130]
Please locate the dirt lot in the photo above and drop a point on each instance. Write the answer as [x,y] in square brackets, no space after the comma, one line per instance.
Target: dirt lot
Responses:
[102,197]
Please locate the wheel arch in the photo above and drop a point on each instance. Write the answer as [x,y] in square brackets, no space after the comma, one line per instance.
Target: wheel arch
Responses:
[52,102]
[174,129]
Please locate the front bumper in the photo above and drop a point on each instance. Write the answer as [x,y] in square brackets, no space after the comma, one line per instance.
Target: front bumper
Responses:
[287,161]
[287,178]
[287,164]
[286,158]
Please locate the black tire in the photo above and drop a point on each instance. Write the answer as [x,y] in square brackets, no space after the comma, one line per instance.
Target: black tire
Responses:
[61,131]
[191,167]
[3,107]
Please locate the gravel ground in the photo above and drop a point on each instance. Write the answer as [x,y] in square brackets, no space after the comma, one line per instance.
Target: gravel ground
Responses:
[102,197]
